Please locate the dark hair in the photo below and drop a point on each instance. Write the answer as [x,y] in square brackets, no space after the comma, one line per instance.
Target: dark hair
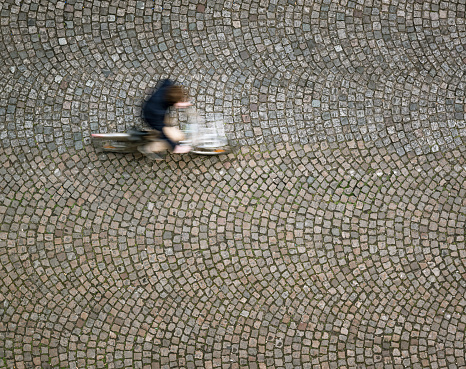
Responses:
[175,94]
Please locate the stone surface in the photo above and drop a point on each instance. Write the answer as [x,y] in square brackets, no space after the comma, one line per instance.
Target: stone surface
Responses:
[334,236]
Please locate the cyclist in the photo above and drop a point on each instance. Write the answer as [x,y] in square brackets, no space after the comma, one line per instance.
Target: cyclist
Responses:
[155,111]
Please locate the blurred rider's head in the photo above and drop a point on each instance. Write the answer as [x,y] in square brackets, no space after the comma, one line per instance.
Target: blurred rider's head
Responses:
[175,94]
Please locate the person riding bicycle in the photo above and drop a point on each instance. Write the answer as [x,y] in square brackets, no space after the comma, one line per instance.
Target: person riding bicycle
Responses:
[156,109]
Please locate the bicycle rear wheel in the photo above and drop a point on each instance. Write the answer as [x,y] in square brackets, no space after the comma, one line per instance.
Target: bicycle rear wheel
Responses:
[114,142]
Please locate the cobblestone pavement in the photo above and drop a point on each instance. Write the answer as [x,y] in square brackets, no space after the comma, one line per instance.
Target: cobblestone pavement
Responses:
[334,238]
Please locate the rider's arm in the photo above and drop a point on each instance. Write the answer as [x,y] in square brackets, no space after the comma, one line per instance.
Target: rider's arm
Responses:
[181,105]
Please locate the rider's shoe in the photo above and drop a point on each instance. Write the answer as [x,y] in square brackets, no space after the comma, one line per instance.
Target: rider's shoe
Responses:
[155,156]
[143,150]
[181,149]
[150,154]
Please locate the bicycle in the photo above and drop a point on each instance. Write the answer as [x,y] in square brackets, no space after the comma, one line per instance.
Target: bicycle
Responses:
[204,138]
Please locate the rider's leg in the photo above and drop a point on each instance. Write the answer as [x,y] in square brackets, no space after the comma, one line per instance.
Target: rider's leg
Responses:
[163,142]
[171,143]
[174,134]
[157,146]
[169,138]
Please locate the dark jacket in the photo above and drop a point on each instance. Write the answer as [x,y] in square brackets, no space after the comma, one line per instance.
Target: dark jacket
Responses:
[157,106]
[155,109]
